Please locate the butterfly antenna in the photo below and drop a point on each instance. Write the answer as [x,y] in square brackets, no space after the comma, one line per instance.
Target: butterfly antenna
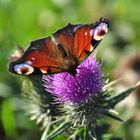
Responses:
[62,81]
[76,80]
[82,68]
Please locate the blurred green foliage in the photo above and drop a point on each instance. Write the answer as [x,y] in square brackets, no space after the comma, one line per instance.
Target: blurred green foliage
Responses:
[23,21]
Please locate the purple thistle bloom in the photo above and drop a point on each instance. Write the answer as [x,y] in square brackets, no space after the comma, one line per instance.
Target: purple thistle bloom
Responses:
[86,83]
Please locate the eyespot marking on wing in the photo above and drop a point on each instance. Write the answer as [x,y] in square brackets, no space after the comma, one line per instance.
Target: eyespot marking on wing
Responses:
[100,31]
[23,69]
[86,33]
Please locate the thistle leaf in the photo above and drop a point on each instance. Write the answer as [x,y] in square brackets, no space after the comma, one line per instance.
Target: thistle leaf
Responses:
[113,116]
[59,130]
[115,100]
[45,132]
[38,103]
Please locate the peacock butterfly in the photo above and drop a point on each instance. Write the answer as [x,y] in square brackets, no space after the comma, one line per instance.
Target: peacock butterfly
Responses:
[63,52]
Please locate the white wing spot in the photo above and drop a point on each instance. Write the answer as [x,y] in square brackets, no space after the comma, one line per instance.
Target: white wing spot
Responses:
[91,48]
[33,58]
[29,62]
[91,32]
[43,71]
[85,33]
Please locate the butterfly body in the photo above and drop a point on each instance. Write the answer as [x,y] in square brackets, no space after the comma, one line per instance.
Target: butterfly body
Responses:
[63,52]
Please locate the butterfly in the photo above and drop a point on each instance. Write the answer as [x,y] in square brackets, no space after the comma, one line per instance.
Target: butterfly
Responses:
[63,52]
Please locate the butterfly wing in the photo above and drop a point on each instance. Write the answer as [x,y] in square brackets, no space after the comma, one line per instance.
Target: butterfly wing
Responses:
[87,38]
[71,45]
[82,42]
[79,41]
[65,37]
[76,41]
[47,55]
[42,56]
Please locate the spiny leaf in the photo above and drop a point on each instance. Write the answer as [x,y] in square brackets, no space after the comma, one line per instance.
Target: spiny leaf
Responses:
[36,106]
[115,100]
[43,137]
[113,116]
[58,131]
[79,134]
[37,82]
[28,92]
[79,130]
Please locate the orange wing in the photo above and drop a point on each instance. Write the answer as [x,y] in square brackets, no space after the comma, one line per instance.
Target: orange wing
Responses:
[42,55]
[71,45]
[75,39]
[87,37]
[79,41]
[65,37]
[82,42]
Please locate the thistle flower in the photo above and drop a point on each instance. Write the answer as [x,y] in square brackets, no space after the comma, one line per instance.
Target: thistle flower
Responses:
[79,88]
[82,100]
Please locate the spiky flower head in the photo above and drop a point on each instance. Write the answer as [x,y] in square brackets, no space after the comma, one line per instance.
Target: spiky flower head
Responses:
[79,88]
[83,100]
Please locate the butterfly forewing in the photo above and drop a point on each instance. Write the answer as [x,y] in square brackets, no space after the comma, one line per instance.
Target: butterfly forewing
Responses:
[82,42]
[65,37]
